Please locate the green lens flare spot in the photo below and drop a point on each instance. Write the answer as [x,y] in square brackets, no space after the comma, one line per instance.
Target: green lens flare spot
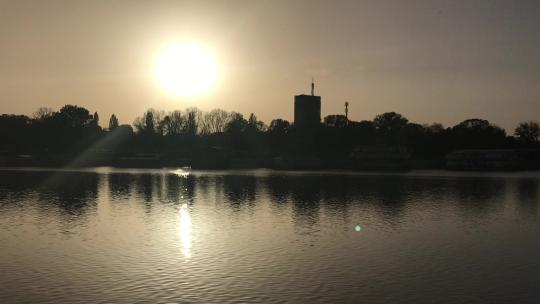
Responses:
[357,228]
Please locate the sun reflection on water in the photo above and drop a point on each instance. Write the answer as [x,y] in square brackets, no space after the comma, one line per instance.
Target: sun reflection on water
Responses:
[184,230]
[183,172]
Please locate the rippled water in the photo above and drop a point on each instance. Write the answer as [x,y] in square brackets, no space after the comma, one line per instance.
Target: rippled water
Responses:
[167,236]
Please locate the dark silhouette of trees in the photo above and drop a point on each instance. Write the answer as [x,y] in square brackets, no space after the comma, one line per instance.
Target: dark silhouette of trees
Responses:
[214,121]
[95,120]
[411,134]
[477,134]
[70,129]
[389,124]
[14,131]
[435,128]
[165,125]
[390,127]
[279,126]
[149,122]
[235,131]
[220,136]
[236,125]
[172,124]
[254,124]
[176,123]
[528,132]
[43,113]
[363,132]
[278,136]
[192,124]
[76,117]
[113,122]
[338,121]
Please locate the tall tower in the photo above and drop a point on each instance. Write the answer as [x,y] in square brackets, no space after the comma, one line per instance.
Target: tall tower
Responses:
[307,109]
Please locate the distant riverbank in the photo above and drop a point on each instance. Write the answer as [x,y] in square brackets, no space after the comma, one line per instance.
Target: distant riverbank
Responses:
[361,160]
[261,172]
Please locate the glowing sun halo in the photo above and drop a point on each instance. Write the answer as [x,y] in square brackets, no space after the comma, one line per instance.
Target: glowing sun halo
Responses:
[186,70]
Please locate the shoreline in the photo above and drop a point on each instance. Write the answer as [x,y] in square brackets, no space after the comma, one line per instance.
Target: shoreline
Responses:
[184,172]
[361,161]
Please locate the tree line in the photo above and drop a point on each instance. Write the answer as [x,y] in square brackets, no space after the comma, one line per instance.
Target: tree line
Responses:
[196,133]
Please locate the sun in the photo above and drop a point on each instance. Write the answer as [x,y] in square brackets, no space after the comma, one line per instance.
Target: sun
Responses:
[186,70]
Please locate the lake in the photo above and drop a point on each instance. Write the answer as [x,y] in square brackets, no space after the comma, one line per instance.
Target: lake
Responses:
[105,235]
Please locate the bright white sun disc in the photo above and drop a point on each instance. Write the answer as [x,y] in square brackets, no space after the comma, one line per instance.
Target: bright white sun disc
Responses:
[186,70]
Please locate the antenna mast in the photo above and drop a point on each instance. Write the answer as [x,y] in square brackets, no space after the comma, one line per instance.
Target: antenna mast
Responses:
[312,87]
[347,112]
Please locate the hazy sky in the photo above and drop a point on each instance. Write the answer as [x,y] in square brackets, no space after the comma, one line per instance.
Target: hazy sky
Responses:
[442,61]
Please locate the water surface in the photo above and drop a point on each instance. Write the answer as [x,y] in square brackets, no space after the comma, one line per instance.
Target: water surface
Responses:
[160,236]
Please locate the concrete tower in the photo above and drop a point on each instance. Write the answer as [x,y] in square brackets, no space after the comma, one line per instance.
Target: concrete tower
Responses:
[307,109]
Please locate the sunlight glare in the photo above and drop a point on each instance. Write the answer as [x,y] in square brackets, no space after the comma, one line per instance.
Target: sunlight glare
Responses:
[186,70]
[181,172]
[184,230]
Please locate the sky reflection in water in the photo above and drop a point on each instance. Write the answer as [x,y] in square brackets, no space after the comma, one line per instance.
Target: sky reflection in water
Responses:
[160,236]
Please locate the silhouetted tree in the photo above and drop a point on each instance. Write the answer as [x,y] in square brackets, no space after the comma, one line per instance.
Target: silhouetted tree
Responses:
[214,121]
[113,122]
[528,132]
[43,113]
[191,121]
[94,122]
[413,136]
[75,116]
[236,125]
[336,121]
[173,123]
[279,126]
[363,132]
[177,122]
[390,122]
[436,141]
[14,132]
[389,125]
[434,128]
[477,134]
[149,120]
[254,124]
[165,125]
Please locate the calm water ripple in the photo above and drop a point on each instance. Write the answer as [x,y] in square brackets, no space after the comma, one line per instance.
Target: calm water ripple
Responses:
[167,236]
